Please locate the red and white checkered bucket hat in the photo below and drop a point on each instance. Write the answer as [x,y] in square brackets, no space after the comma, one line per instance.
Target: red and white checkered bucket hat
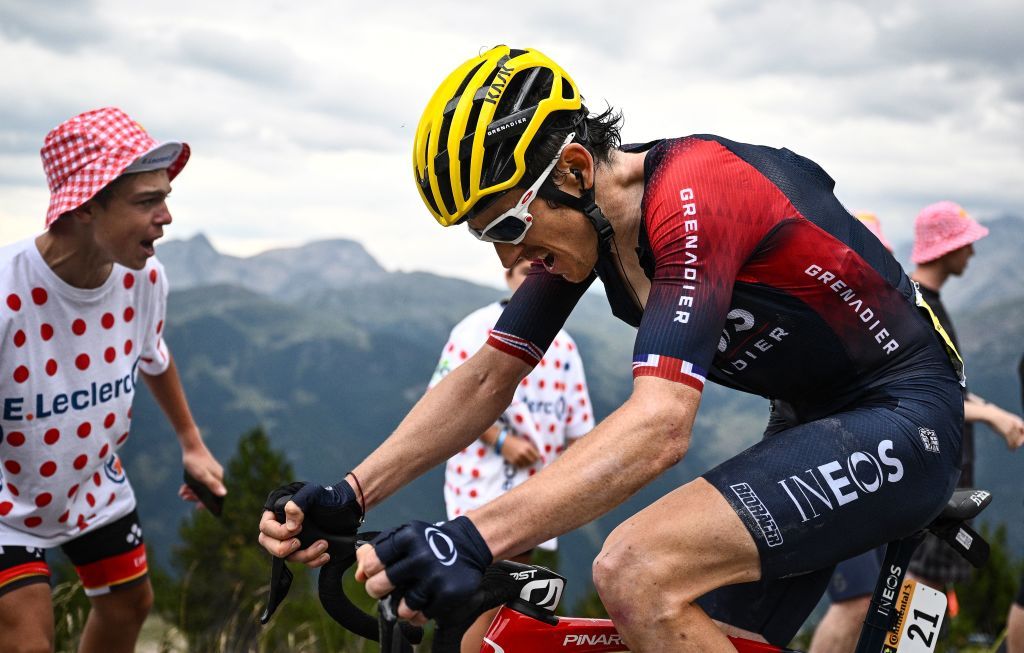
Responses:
[941,228]
[87,152]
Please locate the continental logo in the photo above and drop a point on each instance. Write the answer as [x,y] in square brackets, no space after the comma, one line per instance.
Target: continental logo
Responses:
[763,518]
[497,87]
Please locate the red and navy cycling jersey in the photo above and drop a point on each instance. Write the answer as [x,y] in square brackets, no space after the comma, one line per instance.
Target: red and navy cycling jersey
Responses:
[760,280]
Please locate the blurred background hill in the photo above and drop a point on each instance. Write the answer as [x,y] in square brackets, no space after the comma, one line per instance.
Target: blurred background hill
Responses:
[327,351]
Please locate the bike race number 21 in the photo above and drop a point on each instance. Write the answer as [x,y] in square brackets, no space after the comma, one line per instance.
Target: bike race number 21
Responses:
[916,629]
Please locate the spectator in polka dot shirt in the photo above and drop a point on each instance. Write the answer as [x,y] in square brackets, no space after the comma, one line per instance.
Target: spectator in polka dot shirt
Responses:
[81,319]
[551,409]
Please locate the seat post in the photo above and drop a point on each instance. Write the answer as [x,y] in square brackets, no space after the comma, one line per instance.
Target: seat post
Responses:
[883,601]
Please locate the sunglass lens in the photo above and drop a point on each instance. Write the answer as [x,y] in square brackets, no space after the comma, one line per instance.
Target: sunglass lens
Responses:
[507,230]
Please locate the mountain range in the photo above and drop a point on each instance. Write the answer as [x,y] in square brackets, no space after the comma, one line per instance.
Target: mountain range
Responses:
[327,351]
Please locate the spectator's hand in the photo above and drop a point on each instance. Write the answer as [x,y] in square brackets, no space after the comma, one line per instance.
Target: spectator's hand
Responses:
[1008,425]
[519,451]
[200,463]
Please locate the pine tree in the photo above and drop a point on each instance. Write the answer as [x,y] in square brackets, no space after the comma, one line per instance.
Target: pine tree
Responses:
[223,587]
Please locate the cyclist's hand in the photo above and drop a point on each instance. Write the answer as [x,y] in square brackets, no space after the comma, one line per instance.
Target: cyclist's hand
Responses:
[334,508]
[518,451]
[434,566]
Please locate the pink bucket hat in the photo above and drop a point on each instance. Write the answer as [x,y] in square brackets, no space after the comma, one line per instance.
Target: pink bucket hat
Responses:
[87,152]
[874,225]
[941,228]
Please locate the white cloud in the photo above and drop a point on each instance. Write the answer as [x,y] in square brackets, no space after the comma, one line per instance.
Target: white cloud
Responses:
[301,115]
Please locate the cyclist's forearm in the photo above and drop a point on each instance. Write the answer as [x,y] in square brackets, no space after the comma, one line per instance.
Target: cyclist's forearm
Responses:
[625,452]
[447,419]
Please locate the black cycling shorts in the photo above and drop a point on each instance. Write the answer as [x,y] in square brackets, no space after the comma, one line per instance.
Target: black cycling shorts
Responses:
[106,559]
[817,493]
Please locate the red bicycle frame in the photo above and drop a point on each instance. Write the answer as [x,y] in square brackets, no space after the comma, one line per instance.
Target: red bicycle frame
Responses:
[514,632]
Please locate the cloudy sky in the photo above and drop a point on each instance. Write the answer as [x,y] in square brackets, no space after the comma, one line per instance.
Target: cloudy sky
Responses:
[301,115]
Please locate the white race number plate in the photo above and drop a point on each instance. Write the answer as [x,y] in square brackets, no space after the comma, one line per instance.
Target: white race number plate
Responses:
[921,610]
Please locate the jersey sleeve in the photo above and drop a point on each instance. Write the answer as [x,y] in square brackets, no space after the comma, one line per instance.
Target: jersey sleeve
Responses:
[705,211]
[536,312]
[155,357]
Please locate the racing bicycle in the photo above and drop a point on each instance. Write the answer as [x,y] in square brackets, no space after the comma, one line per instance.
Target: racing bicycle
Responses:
[904,616]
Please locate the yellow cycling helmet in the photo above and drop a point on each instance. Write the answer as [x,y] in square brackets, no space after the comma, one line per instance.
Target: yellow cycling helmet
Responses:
[472,139]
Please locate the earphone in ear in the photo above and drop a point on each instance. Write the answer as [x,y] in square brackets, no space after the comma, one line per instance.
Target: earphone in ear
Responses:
[579,176]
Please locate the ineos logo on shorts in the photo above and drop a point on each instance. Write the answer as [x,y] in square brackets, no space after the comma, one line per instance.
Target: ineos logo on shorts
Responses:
[441,545]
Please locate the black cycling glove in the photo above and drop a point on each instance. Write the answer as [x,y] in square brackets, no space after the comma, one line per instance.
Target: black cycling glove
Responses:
[333,508]
[434,566]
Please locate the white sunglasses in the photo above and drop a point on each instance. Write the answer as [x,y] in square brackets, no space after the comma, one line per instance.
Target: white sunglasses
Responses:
[511,226]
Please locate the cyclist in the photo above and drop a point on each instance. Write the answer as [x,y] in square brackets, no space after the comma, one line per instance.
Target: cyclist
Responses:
[82,312]
[551,410]
[853,580]
[736,263]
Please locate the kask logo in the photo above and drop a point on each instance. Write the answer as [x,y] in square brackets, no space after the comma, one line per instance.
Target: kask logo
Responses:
[441,545]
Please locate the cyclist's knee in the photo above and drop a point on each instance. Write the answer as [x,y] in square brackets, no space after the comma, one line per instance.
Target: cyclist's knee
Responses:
[624,573]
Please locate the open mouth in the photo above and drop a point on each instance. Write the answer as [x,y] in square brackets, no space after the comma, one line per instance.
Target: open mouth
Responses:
[549,261]
[148,246]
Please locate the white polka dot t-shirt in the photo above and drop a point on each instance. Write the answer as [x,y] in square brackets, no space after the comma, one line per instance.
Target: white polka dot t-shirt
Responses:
[68,371]
[551,407]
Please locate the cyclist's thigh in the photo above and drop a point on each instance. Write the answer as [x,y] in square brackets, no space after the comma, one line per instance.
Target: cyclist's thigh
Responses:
[855,577]
[111,557]
[689,542]
[26,611]
[821,492]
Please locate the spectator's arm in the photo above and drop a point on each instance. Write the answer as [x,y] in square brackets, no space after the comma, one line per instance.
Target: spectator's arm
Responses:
[1003,422]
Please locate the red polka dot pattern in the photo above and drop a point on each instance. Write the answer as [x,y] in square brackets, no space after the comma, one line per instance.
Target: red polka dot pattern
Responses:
[45,331]
[82,361]
[129,280]
[14,302]
[107,321]
[84,429]
[51,437]
[19,338]
[51,367]
[80,462]
[39,296]
[78,327]
[21,374]
[129,314]
[49,468]
[15,438]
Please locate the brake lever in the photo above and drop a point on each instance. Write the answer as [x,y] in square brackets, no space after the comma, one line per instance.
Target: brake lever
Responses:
[340,547]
